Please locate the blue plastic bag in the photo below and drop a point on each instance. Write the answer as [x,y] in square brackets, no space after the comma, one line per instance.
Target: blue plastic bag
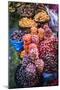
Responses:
[18,45]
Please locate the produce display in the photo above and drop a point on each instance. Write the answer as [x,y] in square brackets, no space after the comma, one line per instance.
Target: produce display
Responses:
[33,45]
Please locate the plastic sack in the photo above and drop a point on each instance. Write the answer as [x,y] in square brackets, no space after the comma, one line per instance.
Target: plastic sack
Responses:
[18,45]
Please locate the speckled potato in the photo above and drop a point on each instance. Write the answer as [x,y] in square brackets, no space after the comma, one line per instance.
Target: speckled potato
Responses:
[35,39]
[27,39]
[33,51]
[39,65]
[41,33]
[48,31]
[34,31]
